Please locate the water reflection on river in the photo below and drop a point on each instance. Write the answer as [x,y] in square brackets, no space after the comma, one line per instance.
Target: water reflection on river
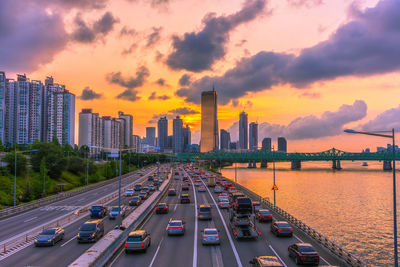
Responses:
[352,206]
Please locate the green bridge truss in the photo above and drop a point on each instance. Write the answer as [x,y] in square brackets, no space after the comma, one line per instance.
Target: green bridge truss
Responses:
[259,156]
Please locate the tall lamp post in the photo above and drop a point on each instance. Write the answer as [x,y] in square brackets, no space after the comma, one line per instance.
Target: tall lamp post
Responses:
[273,170]
[396,263]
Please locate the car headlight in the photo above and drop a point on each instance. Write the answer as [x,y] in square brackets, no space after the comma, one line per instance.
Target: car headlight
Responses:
[79,234]
[93,234]
[50,240]
[36,240]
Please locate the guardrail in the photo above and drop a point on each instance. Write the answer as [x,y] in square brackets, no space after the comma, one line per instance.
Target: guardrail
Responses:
[334,248]
[27,237]
[54,198]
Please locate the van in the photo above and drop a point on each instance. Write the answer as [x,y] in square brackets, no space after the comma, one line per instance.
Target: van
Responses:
[91,231]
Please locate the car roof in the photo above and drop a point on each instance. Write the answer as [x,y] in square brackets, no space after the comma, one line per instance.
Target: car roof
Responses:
[205,206]
[184,194]
[303,244]
[264,210]
[137,232]
[211,229]
[269,261]
[175,220]
[94,221]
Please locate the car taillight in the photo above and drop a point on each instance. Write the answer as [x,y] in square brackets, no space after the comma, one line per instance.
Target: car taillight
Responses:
[279,230]
[291,230]
[126,244]
[259,233]
[180,228]
[234,233]
[169,228]
[210,212]
[142,244]
[205,237]
[156,208]
[262,216]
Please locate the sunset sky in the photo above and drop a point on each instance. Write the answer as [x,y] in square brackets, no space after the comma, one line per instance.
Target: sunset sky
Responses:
[304,69]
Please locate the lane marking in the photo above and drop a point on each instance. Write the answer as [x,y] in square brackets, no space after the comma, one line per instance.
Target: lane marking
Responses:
[273,250]
[69,241]
[30,219]
[195,225]
[155,254]
[318,253]
[239,263]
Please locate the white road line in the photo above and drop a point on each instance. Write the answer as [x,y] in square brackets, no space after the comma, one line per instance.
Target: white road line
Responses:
[319,256]
[30,219]
[175,207]
[195,225]
[155,254]
[239,263]
[284,264]
[68,241]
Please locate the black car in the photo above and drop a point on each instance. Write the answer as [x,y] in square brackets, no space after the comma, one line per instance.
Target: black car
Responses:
[91,231]
[303,253]
[264,215]
[281,228]
[172,192]
[185,198]
[185,187]
[49,237]
[162,208]
[150,178]
[143,195]
[98,211]
[135,201]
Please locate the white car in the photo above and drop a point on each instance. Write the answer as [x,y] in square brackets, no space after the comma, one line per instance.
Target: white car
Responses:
[223,204]
[129,192]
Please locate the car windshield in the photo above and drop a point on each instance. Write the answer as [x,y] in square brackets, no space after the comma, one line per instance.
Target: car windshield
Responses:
[135,199]
[96,208]
[129,190]
[306,249]
[134,238]
[162,205]
[88,227]
[115,209]
[172,190]
[265,212]
[175,224]
[210,232]
[268,261]
[48,232]
[284,225]
[204,209]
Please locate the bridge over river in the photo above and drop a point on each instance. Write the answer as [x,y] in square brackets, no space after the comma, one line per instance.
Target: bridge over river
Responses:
[263,156]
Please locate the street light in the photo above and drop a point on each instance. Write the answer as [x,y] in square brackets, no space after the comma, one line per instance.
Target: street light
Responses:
[396,264]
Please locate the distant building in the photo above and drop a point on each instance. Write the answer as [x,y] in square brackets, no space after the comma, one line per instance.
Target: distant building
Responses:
[253,136]
[135,143]
[170,142]
[90,133]
[127,129]
[225,137]
[233,146]
[2,105]
[209,121]
[243,131]
[266,144]
[177,133]
[162,127]
[282,144]
[187,137]
[193,148]
[151,136]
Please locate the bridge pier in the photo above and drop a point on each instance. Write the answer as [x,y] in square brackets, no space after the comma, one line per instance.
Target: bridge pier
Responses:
[387,165]
[252,164]
[264,164]
[296,164]
[336,165]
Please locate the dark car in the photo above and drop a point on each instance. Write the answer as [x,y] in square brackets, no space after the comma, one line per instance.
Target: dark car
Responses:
[143,195]
[303,253]
[256,206]
[264,215]
[281,228]
[98,211]
[138,187]
[49,237]
[204,212]
[185,198]
[172,192]
[91,231]
[162,208]
[135,201]
[185,187]
[137,240]
[265,261]
[150,178]
[115,211]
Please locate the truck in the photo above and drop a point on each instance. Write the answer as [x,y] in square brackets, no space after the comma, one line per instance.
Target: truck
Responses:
[242,219]
[210,181]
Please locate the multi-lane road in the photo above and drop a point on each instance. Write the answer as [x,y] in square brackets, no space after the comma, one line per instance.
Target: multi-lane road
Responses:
[188,250]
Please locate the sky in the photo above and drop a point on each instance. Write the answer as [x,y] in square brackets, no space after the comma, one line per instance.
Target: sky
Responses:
[303,69]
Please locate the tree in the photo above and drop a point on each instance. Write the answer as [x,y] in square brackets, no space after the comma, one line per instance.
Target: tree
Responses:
[55,159]
[2,148]
[22,163]
[76,165]
[43,172]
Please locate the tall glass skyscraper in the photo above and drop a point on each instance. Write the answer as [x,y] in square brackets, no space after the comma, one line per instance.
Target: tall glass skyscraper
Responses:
[151,136]
[253,136]
[243,131]
[177,135]
[225,137]
[163,133]
[209,121]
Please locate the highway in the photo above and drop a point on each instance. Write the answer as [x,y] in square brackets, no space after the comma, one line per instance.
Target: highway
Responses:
[9,227]
[68,249]
[187,250]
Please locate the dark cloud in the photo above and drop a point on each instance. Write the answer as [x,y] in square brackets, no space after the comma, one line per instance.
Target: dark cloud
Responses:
[129,50]
[154,37]
[329,124]
[126,31]
[241,43]
[387,120]
[305,3]
[369,44]
[69,4]
[85,33]
[154,96]
[185,80]
[155,118]
[161,82]
[89,94]
[29,40]
[159,56]
[197,51]
[312,95]
[130,83]
[183,111]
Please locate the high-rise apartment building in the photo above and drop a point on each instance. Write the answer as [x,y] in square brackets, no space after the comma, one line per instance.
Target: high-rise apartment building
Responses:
[253,136]
[225,137]
[209,121]
[2,105]
[162,127]
[35,111]
[243,131]
[151,136]
[187,137]
[266,144]
[177,134]
[282,144]
[10,127]
[127,128]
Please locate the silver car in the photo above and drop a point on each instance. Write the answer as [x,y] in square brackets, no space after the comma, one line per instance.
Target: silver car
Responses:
[115,210]
[224,204]
[210,236]
[137,240]
[129,192]
[176,227]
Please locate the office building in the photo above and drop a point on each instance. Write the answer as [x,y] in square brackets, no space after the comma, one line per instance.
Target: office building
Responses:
[122,128]
[233,146]
[2,105]
[170,142]
[151,136]
[177,133]
[253,136]
[225,137]
[187,138]
[162,127]
[282,144]
[127,129]
[135,141]
[209,122]
[243,131]
[266,144]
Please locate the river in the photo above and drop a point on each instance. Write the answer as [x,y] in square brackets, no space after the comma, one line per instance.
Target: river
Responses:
[352,206]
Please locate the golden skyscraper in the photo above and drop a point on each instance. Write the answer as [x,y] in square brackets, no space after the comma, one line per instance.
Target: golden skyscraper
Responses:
[209,122]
